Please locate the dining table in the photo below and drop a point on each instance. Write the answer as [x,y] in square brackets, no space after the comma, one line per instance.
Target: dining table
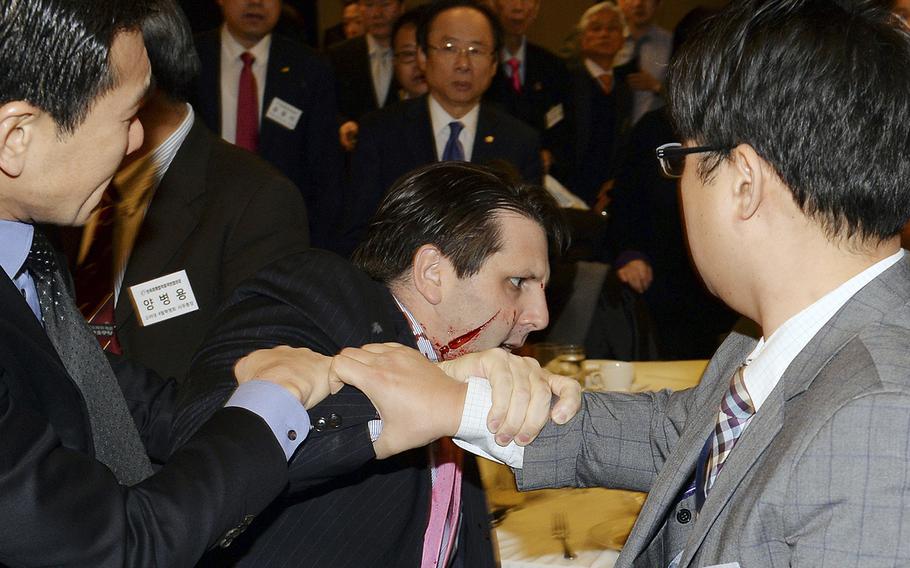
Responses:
[529,527]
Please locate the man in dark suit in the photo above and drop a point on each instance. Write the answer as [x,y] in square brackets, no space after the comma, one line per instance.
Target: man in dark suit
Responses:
[78,487]
[363,68]
[446,276]
[281,104]
[531,82]
[458,46]
[186,200]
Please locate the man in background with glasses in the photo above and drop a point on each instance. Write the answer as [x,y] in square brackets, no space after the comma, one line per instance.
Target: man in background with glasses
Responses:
[794,449]
[459,42]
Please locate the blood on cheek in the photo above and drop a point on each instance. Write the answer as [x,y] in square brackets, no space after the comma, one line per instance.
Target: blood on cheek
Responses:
[463,339]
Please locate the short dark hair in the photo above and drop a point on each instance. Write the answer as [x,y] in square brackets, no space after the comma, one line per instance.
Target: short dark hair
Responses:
[171,50]
[821,90]
[453,206]
[434,9]
[412,17]
[55,54]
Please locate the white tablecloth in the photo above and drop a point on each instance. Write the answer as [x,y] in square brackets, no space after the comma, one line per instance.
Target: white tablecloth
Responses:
[598,519]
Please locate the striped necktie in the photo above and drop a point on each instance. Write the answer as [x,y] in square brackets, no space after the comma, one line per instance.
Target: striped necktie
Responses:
[736,410]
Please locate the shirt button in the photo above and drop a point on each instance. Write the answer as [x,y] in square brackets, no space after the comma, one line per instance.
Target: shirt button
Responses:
[292,435]
[683,516]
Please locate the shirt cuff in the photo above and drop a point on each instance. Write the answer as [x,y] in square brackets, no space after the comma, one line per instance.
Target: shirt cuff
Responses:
[284,414]
[473,435]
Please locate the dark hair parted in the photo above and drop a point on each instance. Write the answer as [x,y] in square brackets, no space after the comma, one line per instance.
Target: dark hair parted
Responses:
[434,9]
[821,90]
[412,17]
[55,54]
[455,207]
[171,51]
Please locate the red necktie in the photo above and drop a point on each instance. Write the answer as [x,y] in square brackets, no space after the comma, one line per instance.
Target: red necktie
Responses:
[516,74]
[247,106]
[94,277]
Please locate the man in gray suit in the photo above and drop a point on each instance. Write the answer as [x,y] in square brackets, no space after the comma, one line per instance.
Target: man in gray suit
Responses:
[795,449]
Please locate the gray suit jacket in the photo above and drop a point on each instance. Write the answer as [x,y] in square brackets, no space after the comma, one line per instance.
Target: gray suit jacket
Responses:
[821,477]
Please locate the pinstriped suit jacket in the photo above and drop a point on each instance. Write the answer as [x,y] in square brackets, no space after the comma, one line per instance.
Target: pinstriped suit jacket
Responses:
[820,478]
[343,508]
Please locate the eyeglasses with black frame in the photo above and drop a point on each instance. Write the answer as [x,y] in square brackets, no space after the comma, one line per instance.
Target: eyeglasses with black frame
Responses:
[672,157]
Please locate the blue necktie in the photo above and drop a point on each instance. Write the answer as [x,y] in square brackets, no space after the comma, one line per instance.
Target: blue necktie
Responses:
[453,149]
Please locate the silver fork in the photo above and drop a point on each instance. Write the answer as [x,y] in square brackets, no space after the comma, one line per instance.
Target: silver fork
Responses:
[561,533]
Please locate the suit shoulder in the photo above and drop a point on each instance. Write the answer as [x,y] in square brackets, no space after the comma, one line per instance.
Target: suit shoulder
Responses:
[544,57]
[390,115]
[243,171]
[516,128]
[300,54]
[886,343]
[347,50]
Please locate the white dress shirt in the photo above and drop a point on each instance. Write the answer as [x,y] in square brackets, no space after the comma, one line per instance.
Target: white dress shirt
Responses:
[440,120]
[596,70]
[766,365]
[380,69]
[231,66]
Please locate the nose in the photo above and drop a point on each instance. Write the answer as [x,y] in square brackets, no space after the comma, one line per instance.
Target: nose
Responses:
[462,60]
[535,314]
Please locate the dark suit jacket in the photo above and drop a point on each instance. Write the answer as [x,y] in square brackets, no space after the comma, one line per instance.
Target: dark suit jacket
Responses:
[545,87]
[583,108]
[61,507]
[219,213]
[356,94]
[310,154]
[398,139]
[344,509]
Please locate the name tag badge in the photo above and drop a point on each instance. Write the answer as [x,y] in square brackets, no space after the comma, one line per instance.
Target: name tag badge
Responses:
[283,113]
[555,115]
[163,298]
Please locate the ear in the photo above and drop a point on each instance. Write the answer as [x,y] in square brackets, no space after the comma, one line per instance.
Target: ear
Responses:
[749,180]
[427,271]
[17,121]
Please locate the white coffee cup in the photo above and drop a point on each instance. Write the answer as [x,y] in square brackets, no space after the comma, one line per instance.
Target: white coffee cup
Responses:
[607,374]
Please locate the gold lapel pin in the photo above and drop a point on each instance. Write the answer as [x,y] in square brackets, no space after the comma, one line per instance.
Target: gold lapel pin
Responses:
[488,139]
[538,86]
[285,69]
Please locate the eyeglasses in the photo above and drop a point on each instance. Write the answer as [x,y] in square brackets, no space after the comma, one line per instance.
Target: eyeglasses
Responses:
[406,56]
[450,50]
[672,157]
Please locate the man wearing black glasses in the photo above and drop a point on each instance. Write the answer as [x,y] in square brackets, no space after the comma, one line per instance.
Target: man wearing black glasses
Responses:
[458,46]
[793,449]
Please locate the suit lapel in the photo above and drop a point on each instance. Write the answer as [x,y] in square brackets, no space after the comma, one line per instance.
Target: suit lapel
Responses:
[282,82]
[172,215]
[485,139]
[872,303]
[677,470]
[420,139]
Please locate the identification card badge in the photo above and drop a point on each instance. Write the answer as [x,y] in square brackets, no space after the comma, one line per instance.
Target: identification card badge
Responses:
[283,113]
[555,115]
[163,298]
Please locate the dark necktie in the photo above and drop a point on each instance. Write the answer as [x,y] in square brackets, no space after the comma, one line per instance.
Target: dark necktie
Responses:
[114,435]
[94,277]
[247,106]
[736,409]
[453,149]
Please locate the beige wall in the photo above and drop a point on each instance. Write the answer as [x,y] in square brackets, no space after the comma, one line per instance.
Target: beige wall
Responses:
[556,19]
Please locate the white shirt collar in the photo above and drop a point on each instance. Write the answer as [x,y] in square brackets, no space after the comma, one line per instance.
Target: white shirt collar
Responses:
[233,50]
[374,48]
[420,335]
[596,70]
[770,358]
[440,120]
[519,55]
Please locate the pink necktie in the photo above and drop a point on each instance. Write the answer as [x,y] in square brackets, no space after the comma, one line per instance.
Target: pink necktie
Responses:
[516,74]
[445,504]
[247,106]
